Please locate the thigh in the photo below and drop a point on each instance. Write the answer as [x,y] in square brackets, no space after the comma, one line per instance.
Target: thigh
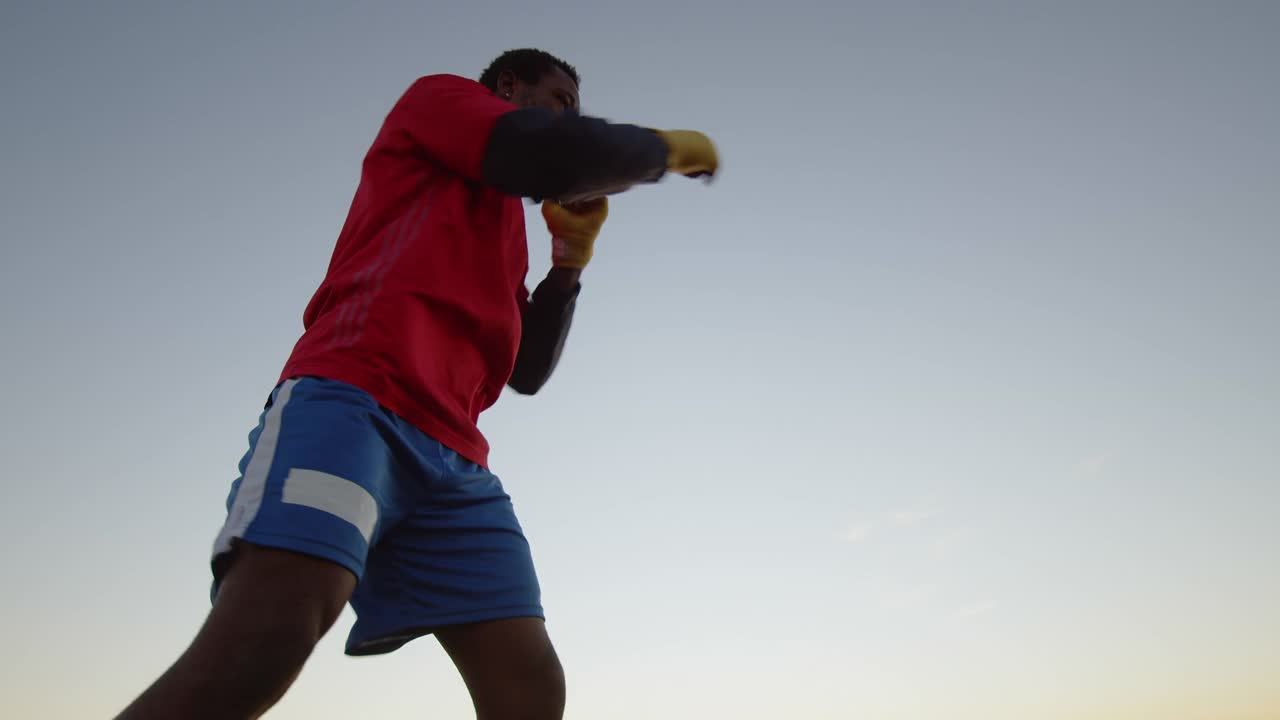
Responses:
[510,667]
[273,607]
[270,589]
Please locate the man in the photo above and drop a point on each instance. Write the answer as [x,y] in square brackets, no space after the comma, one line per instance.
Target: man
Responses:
[366,479]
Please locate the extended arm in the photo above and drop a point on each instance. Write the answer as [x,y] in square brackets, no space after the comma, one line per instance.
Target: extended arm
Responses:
[532,152]
[539,154]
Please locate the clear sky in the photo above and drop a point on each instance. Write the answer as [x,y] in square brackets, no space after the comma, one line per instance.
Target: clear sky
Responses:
[956,397]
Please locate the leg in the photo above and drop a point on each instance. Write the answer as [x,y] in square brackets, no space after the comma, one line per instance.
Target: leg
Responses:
[510,668]
[300,521]
[272,608]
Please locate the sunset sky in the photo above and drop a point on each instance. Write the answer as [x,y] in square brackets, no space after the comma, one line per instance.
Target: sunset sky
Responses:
[955,398]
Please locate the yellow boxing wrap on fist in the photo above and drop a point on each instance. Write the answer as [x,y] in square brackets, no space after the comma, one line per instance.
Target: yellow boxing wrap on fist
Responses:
[690,153]
[573,229]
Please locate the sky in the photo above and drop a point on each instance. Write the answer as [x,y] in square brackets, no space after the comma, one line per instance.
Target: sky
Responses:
[955,395]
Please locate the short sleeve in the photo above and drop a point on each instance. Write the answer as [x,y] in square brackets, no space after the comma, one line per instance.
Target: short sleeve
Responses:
[450,119]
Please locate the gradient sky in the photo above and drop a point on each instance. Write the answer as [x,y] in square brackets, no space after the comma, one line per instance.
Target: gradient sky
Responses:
[956,397]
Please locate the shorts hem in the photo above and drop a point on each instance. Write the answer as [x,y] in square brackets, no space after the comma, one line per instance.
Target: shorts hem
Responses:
[399,634]
[306,546]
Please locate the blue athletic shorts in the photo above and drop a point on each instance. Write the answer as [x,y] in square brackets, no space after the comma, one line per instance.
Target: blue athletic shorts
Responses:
[431,536]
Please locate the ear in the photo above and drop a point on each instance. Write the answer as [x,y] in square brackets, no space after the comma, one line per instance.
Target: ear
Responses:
[506,84]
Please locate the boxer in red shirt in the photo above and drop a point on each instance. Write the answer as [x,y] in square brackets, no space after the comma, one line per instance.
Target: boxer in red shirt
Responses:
[367,480]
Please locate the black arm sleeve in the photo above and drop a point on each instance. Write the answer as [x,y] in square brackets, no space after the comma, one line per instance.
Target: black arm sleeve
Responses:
[546,327]
[540,154]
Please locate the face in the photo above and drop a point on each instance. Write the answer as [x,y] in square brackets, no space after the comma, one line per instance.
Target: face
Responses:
[555,91]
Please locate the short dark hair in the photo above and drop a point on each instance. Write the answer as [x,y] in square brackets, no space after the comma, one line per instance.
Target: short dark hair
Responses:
[528,64]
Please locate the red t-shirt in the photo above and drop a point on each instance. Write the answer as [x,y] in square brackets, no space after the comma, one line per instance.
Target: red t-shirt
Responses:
[421,305]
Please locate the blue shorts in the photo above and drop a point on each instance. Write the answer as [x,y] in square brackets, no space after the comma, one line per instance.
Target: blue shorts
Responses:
[431,537]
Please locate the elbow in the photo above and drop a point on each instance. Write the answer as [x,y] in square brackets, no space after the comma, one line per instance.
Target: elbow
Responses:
[525,388]
[526,383]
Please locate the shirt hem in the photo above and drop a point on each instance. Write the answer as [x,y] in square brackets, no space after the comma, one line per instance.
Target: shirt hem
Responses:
[402,407]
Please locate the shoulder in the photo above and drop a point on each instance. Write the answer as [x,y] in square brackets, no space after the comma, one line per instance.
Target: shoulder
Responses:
[446,83]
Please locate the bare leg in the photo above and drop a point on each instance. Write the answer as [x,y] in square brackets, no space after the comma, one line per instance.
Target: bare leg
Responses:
[510,668]
[272,608]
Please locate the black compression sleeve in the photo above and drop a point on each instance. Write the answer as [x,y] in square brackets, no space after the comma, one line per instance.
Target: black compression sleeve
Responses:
[547,319]
[540,154]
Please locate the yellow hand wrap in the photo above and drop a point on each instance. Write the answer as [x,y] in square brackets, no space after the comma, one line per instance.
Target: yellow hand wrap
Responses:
[690,153]
[573,230]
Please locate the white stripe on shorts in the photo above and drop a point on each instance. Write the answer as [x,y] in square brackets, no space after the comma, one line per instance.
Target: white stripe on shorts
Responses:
[254,483]
[337,496]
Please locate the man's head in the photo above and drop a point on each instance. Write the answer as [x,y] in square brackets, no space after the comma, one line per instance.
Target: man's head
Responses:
[533,78]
